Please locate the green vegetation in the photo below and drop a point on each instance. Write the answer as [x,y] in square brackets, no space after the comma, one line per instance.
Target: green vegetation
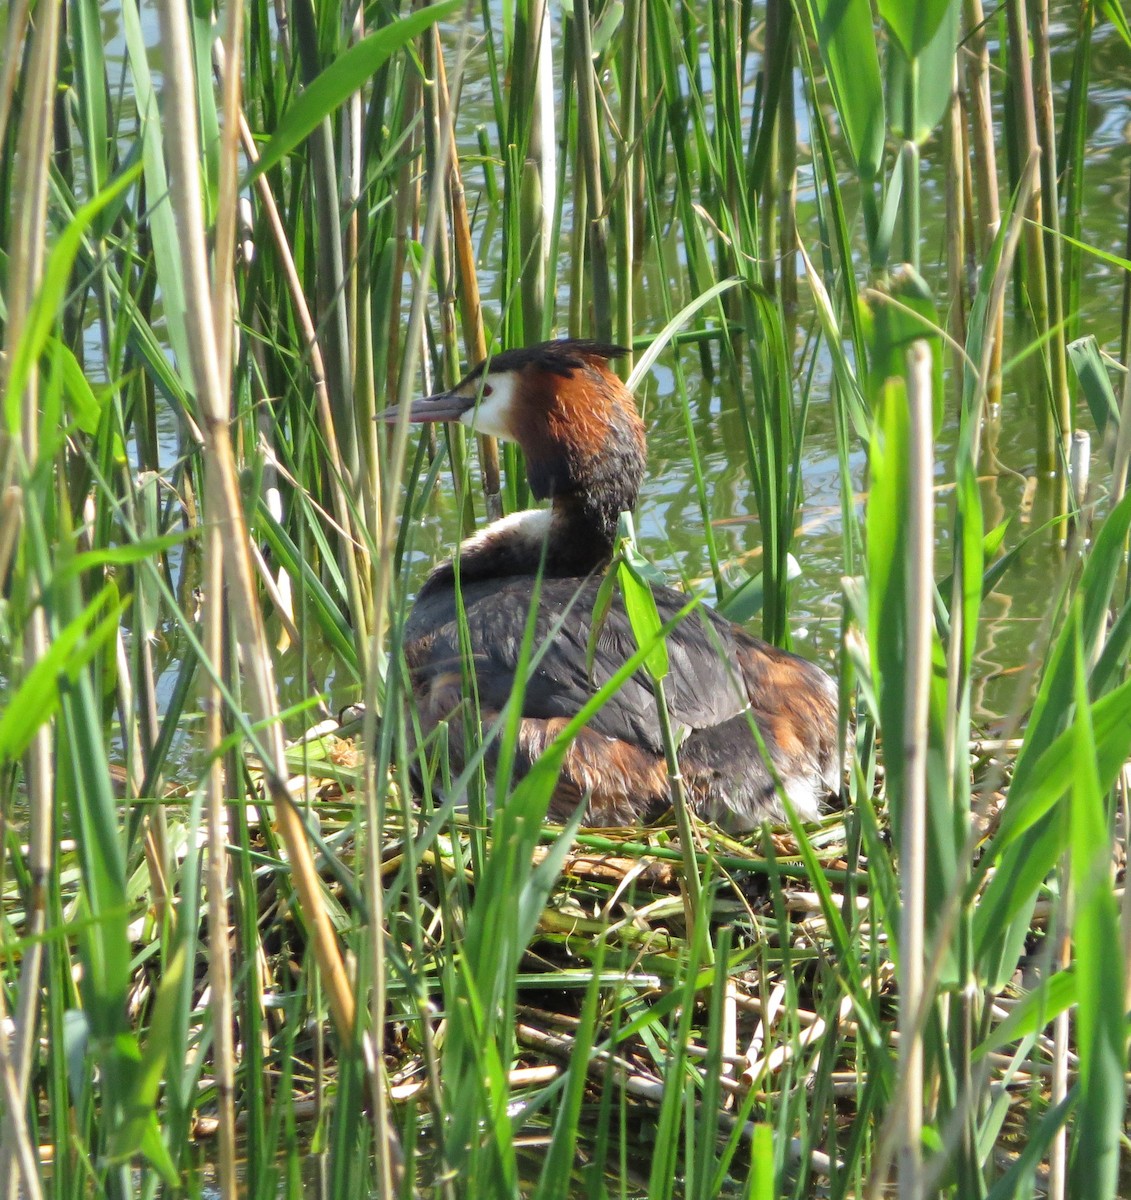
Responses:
[220,945]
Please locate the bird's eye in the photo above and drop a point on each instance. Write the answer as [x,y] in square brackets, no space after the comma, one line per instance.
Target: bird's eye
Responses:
[487,390]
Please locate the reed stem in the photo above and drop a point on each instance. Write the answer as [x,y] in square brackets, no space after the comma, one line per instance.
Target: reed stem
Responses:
[590,151]
[913,803]
[1037,292]
[19,455]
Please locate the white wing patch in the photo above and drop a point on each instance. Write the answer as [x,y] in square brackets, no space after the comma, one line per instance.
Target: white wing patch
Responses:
[530,528]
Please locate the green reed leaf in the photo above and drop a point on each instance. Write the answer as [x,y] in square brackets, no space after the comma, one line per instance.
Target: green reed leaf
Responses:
[933,77]
[1032,1013]
[1095,383]
[36,699]
[914,24]
[1101,1036]
[348,74]
[899,311]
[847,40]
[48,302]
[643,616]
[1113,10]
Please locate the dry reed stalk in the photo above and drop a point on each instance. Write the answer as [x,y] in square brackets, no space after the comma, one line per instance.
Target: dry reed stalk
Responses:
[537,183]
[210,375]
[360,319]
[984,170]
[633,1082]
[629,167]
[218,883]
[357,559]
[471,310]
[590,149]
[787,194]
[154,834]
[406,224]
[390,1165]
[329,272]
[517,1077]
[438,166]
[330,283]
[1046,135]
[1125,307]
[279,587]
[769,247]
[11,522]
[217,867]
[34,147]
[467,281]
[987,381]
[284,610]
[970,249]
[1025,114]
[759,1066]
[438,152]
[578,258]
[730,1058]
[10,60]
[957,223]
[1058,1086]
[20,1151]
[353,124]
[913,843]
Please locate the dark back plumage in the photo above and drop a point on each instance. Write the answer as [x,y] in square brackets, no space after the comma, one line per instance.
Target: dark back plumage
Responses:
[757,725]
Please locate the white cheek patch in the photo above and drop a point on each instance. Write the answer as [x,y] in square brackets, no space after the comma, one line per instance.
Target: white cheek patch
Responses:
[491,417]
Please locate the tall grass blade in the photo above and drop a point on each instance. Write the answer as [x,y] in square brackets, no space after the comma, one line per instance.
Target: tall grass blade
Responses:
[1029,841]
[1100,1026]
[931,77]
[1091,374]
[847,43]
[914,25]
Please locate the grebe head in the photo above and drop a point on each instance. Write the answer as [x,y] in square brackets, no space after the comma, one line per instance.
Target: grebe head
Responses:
[576,422]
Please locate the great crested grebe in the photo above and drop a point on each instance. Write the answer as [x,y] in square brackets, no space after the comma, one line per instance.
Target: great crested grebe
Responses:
[583,441]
